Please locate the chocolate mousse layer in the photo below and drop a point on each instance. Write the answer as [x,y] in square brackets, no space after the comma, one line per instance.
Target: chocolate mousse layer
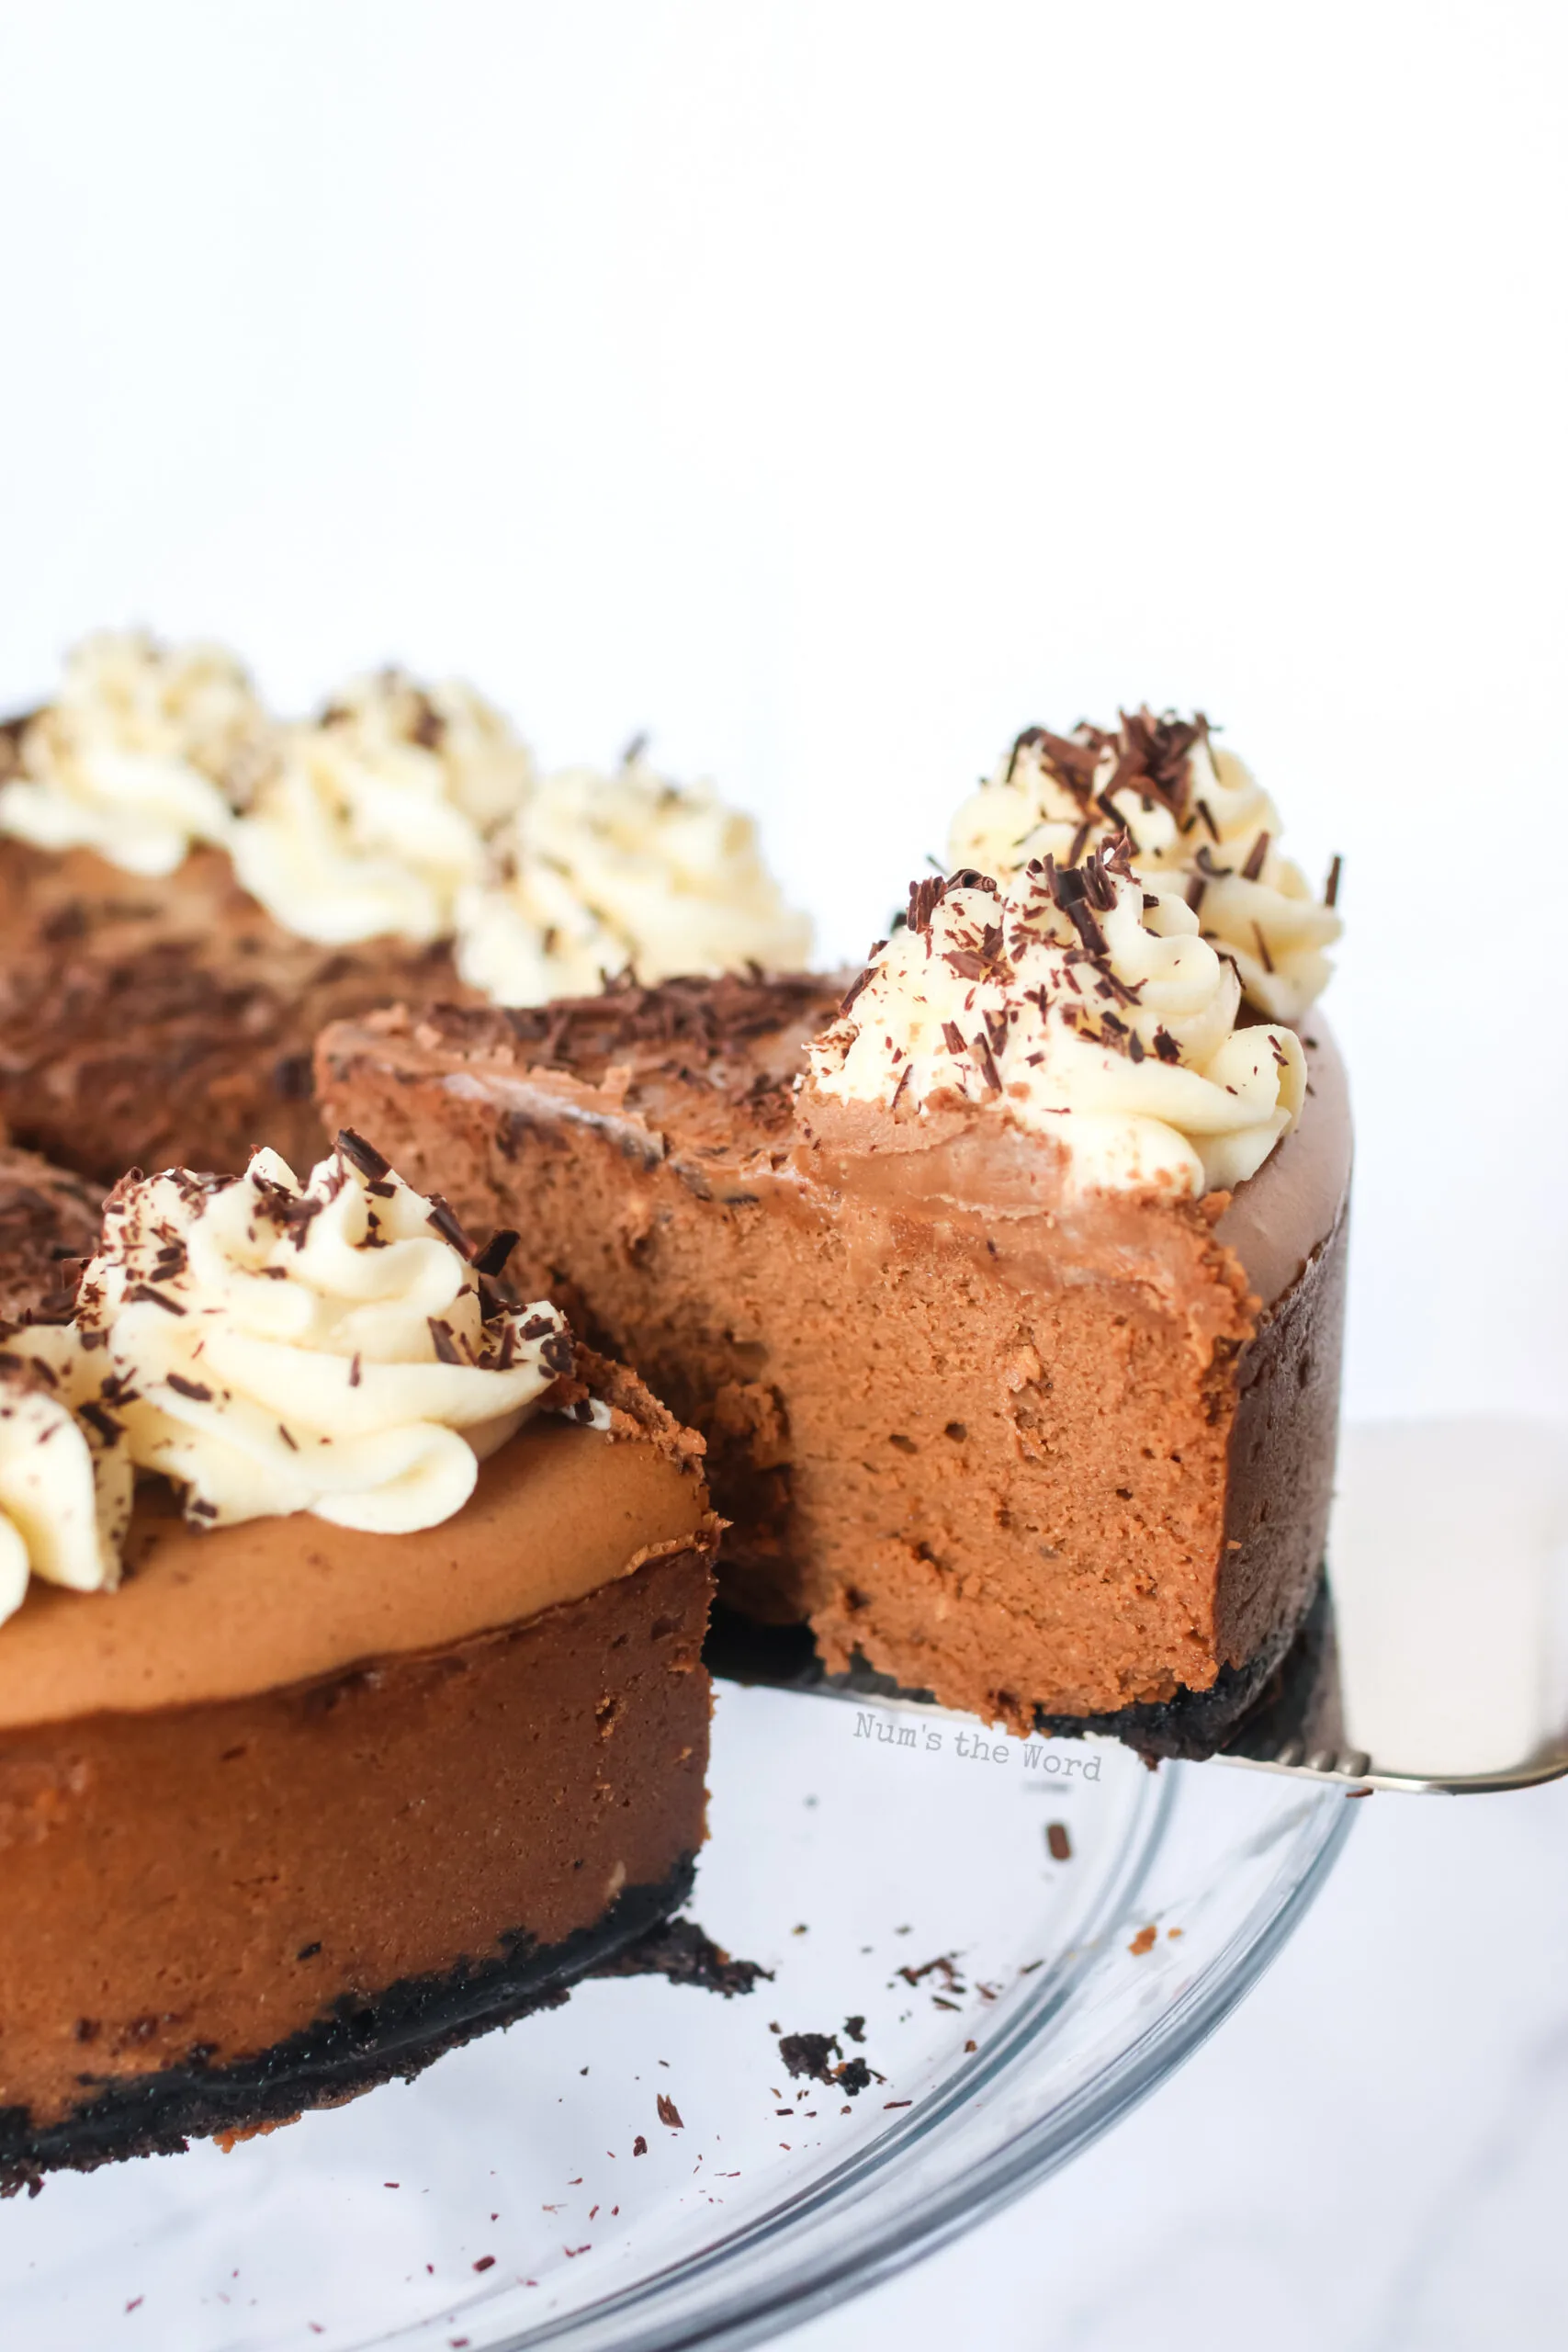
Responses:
[1048,1462]
[297,1808]
[168,1022]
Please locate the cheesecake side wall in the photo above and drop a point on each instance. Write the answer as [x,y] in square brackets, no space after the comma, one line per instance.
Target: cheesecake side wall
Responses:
[218,1878]
[1283,1439]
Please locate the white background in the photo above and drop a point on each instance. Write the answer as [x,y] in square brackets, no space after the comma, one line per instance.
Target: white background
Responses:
[834,389]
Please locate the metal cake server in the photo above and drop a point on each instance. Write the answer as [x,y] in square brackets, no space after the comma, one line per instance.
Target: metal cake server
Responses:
[1439,1661]
[1448,1667]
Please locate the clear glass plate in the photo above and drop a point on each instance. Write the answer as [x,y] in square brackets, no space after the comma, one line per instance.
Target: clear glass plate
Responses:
[1033,1936]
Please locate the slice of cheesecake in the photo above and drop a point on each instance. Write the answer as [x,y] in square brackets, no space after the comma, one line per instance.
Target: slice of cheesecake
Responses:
[1058,1453]
[305,1800]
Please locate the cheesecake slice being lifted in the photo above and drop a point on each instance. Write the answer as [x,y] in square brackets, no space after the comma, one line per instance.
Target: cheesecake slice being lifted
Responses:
[1008,1290]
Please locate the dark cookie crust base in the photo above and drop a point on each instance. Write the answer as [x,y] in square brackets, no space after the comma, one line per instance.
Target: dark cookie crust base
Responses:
[355,2046]
[1194,1723]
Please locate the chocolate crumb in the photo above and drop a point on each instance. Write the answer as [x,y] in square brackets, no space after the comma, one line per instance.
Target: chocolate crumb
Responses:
[1058,1842]
[669,2112]
[810,2055]
[679,1950]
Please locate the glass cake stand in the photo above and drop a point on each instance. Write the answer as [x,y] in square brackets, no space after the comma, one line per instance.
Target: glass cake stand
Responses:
[1017,1941]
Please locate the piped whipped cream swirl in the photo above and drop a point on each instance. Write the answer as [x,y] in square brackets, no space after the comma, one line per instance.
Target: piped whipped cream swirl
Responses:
[626,872]
[1197,821]
[66,1470]
[375,818]
[145,750]
[1080,1007]
[328,1347]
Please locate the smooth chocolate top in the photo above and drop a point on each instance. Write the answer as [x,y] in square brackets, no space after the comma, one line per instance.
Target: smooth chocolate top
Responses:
[211,1615]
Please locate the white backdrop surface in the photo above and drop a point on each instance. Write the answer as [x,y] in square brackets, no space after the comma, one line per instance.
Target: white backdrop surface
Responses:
[834,389]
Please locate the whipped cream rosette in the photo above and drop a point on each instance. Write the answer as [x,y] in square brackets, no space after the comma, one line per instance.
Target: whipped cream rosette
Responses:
[328,1347]
[600,874]
[145,750]
[374,819]
[65,1468]
[1080,1007]
[1196,820]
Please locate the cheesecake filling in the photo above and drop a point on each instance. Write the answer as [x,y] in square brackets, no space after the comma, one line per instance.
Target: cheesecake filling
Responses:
[1083,1008]
[1197,822]
[600,874]
[145,753]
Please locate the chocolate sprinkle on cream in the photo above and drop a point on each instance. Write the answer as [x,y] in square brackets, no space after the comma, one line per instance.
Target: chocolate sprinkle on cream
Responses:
[492,1260]
[1187,814]
[973,1004]
[444,1218]
[358,1407]
[361,1155]
[154,1298]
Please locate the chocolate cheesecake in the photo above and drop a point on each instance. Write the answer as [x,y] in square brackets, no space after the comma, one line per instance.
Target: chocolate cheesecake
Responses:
[191,889]
[168,1022]
[316,1791]
[1016,1392]
[50,1221]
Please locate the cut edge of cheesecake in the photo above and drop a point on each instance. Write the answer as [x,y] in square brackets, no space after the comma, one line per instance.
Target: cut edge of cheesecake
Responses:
[665,1119]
